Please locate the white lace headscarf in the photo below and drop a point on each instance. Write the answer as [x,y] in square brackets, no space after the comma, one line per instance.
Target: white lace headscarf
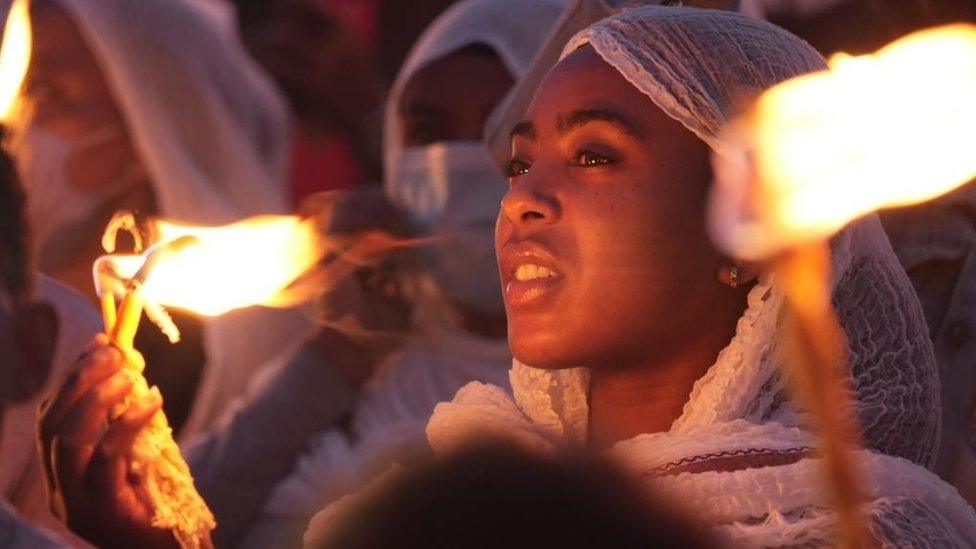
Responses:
[696,66]
[213,133]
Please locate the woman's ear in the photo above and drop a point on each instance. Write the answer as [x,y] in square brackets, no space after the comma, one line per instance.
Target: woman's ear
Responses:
[35,334]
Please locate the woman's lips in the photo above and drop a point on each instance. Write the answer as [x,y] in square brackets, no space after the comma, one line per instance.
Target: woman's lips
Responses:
[529,274]
[519,292]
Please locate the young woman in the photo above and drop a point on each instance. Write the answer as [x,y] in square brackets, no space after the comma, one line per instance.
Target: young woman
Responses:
[633,335]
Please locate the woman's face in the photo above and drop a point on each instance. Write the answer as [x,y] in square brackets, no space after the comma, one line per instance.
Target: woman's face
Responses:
[601,239]
[67,94]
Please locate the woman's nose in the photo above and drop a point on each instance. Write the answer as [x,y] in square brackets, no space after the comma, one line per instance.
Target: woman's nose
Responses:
[529,202]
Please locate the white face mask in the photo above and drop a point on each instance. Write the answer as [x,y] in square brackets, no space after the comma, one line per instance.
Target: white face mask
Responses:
[54,204]
[454,189]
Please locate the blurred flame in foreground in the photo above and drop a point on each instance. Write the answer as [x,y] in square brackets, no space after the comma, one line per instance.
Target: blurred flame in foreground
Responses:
[816,152]
[15,53]
[888,129]
[238,265]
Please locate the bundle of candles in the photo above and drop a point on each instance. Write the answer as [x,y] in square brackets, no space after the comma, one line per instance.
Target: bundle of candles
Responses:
[156,458]
[817,152]
[264,260]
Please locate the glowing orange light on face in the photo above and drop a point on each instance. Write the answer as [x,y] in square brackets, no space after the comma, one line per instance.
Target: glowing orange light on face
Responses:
[888,129]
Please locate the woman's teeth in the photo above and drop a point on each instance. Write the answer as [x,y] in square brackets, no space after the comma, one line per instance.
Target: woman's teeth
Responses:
[532,272]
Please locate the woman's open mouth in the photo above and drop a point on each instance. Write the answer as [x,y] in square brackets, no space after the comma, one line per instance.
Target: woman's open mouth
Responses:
[528,273]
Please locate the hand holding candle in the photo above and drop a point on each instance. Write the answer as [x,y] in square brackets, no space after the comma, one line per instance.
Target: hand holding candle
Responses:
[156,459]
[264,260]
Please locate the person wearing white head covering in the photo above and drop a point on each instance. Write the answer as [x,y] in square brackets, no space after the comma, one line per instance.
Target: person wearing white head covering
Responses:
[450,186]
[208,136]
[739,453]
[446,186]
[209,125]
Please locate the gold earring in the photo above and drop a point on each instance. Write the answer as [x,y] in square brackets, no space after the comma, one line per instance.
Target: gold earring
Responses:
[734,276]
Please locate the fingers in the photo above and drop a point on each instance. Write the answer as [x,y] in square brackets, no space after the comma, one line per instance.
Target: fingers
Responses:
[108,465]
[74,443]
[95,368]
[100,340]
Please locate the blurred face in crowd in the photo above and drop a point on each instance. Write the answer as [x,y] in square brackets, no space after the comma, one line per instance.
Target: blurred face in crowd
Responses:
[451,98]
[603,253]
[321,65]
[72,149]
[442,113]
[66,93]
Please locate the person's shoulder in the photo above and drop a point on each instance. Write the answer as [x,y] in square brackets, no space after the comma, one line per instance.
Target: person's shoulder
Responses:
[78,322]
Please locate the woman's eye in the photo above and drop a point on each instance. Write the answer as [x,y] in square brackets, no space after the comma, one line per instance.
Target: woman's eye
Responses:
[516,168]
[590,159]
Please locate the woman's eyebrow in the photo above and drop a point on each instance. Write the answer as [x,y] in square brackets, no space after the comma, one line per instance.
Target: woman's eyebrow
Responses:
[583,117]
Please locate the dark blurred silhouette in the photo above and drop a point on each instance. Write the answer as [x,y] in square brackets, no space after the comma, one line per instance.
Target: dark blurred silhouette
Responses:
[861,26]
[492,494]
[400,24]
[322,58]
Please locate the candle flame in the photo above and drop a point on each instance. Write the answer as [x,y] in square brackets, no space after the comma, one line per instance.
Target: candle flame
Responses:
[883,130]
[219,269]
[15,53]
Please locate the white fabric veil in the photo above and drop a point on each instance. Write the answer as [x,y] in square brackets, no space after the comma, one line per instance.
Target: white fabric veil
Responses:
[441,358]
[211,128]
[695,65]
[214,135]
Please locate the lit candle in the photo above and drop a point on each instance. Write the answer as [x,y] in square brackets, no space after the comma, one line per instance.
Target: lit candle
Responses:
[209,271]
